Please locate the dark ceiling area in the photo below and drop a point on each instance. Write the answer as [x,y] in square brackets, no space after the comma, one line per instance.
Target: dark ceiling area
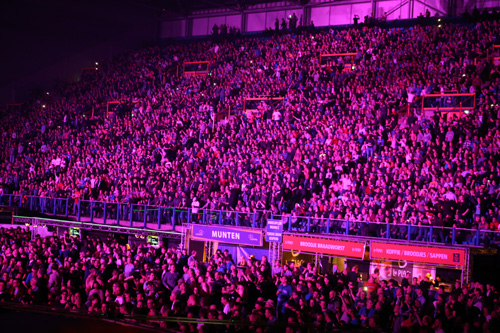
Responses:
[46,40]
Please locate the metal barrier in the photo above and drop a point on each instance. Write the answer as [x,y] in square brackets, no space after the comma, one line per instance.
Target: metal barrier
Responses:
[196,67]
[459,103]
[150,216]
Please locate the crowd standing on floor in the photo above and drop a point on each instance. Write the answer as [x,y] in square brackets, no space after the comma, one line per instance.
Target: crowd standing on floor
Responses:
[148,285]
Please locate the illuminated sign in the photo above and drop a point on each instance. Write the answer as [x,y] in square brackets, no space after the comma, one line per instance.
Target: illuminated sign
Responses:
[325,246]
[227,235]
[415,253]
[74,232]
[154,240]
[274,231]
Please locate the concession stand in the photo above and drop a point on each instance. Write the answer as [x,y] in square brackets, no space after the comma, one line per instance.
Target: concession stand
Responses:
[418,260]
[211,237]
[326,250]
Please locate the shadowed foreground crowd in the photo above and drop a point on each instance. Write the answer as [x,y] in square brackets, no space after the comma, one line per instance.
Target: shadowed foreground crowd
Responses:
[143,284]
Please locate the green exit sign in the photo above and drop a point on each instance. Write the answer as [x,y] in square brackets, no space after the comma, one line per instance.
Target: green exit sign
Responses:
[154,240]
[74,232]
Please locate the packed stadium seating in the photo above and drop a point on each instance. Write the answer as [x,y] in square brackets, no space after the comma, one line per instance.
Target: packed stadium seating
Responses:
[345,149]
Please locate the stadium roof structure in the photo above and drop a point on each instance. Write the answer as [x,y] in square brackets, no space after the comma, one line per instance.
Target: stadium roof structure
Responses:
[186,7]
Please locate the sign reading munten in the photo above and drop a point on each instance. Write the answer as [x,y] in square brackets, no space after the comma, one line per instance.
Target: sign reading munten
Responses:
[227,235]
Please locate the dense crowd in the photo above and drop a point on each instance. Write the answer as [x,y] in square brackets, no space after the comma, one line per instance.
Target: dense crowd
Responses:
[336,147]
[148,285]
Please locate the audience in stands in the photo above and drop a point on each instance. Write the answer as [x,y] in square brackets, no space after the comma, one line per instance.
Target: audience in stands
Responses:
[338,147]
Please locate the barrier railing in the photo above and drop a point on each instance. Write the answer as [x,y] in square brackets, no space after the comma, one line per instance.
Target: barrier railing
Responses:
[348,60]
[14,107]
[112,106]
[252,104]
[446,102]
[172,71]
[224,113]
[492,54]
[141,215]
[196,67]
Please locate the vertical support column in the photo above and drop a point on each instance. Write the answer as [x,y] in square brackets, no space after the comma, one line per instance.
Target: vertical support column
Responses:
[184,237]
[189,29]
[67,204]
[55,205]
[388,230]
[131,214]
[145,216]
[92,211]
[306,16]
[244,20]
[118,213]
[104,213]
[79,206]
[159,217]
[209,248]
[467,270]
[275,253]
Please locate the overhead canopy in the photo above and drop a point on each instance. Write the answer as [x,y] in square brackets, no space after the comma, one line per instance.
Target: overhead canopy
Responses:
[186,7]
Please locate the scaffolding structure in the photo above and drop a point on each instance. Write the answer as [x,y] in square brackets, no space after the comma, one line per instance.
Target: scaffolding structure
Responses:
[275,253]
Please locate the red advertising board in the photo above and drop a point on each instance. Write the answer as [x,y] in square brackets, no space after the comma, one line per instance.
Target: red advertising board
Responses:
[415,253]
[325,246]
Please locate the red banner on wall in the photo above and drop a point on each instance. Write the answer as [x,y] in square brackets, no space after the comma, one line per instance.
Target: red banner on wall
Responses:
[325,246]
[414,253]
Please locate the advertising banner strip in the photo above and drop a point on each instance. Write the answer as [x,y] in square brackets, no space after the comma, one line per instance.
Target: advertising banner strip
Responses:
[421,254]
[227,235]
[333,247]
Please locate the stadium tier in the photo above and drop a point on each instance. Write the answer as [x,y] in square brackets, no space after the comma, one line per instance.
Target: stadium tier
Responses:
[304,181]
